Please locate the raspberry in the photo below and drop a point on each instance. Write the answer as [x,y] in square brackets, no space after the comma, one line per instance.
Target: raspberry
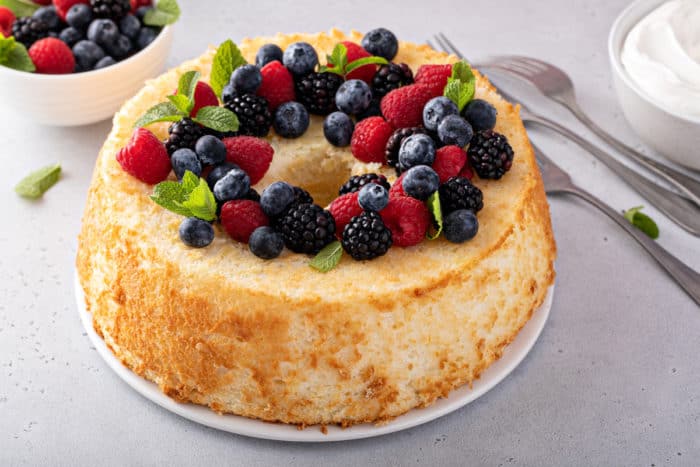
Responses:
[136,4]
[396,189]
[277,84]
[6,20]
[241,217]
[62,6]
[251,154]
[408,219]
[449,161]
[145,157]
[369,139]
[434,77]
[467,171]
[52,56]
[203,96]
[343,209]
[355,51]
[403,107]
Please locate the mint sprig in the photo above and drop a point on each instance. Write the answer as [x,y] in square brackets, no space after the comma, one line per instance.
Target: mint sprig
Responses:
[165,12]
[19,7]
[227,58]
[461,85]
[191,197]
[217,118]
[338,61]
[435,209]
[35,184]
[14,55]
[328,258]
[641,221]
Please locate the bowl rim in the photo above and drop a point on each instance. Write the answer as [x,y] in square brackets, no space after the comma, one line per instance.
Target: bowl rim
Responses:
[163,35]
[614,51]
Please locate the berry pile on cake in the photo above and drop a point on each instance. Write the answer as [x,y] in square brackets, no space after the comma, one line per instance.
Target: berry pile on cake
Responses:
[267,159]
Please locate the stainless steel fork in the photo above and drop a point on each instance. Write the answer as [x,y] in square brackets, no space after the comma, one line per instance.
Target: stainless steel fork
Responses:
[558,181]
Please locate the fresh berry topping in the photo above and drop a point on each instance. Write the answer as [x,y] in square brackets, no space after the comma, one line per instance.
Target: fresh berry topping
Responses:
[354,96]
[356,182]
[204,96]
[71,36]
[408,219]
[480,114]
[459,193]
[434,77]
[266,243]
[112,9]
[28,30]
[79,16]
[460,226]
[467,171]
[344,208]
[7,18]
[420,182]
[453,129]
[391,151]
[146,36]
[317,91]
[490,155]
[268,53]
[52,56]
[87,54]
[374,110]
[145,157]
[300,58]
[103,32]
[130,26]
[396,189]
[436,109]
[246,79]
[301,196]
[277,85]
[210,150]
[218,172]
[62,6]
[403,107]
[241,217]
[277,197]
[253,155]
[418,149]
[253,114]
[137,5]
[48,15]
[366,237]
[182,134]
[369,139]
[183,160]
[449,161]
[389,77]
[253,195]
[355,52]
[306,228]
[195,232]
[381,42]
[291,120]
[337,128]
[234,185]
[373,197]
[105,62]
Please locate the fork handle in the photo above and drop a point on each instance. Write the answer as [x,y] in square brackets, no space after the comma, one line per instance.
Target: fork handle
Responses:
[687,278]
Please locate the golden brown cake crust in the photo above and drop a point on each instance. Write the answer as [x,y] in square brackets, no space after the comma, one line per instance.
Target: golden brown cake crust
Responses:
[278,341]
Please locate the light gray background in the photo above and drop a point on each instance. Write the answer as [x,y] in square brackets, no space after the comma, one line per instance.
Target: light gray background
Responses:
[613,380]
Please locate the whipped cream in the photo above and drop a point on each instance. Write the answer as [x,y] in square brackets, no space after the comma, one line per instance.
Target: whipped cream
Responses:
[661,54]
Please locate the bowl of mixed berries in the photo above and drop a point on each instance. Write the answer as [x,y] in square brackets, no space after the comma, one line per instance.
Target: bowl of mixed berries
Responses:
[74,62]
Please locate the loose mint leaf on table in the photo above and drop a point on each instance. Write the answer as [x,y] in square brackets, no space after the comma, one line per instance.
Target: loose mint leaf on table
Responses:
[20,7]
[163,112]
[641,221]
[435,209]
[226,59]
[36,183]
[328,258]
[190,198]
[461,85]
[14,55]
[217,118]
[165,12]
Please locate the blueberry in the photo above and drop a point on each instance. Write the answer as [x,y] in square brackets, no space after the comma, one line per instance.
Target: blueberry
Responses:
[49,16]
[130,26]
[381,42]
[146,36]
[337,128]
[291,120]
[218,172]
[453,129]
[246,79]
[121,47]
[185,159]
[353,96]
[141,12]
[87,54]
[195,232]
[79,16]
[373,197]
[70,36]
[480,114]
[103,32]
[300,58]
[418,149]
[460,226]
[210,150]
[268,53]
[234,185]
[266,243]
[436,109]
[228,93]
[105,62]
[420,182]
[276,197]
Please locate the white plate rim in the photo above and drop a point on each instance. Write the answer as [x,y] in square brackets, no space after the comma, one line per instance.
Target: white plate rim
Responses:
[513,354]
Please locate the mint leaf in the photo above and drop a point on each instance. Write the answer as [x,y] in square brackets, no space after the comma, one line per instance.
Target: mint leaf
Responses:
[14,55]
[190,198]
[217,118]
[171,195]
[20,8]
[461,85]
[337,60]
[355,64]
[641,221]
[181,103]
[328,258]
[188,84]
[36,183]
[189,182]
[226,59]
[165,12]
[462,71]
[163,112]
[436,210]
[201,202]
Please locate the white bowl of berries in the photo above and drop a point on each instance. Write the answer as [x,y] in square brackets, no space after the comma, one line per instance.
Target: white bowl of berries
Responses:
[74,62]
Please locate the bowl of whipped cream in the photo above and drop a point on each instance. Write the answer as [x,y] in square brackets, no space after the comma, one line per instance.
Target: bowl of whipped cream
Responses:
[654,48]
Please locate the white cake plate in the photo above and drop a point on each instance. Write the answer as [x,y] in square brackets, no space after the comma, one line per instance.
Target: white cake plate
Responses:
[512,356]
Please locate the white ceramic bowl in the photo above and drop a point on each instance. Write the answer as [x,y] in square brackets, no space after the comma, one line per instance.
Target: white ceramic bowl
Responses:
[673,135]
[82,98]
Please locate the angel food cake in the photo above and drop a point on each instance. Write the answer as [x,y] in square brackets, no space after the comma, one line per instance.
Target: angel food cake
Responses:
[345,229]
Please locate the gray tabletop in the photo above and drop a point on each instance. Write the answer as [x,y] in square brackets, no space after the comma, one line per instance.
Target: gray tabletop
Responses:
[613,380]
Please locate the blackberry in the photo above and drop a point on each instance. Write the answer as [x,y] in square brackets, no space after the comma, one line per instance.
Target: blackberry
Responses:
[356,182]
[306,228]
[301,196]
[490,154]
[183,134]
[317,91]
[112,9]
[459,193]
[389,77]
[253,114]
[366,236]
[394,143]
[28,30]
